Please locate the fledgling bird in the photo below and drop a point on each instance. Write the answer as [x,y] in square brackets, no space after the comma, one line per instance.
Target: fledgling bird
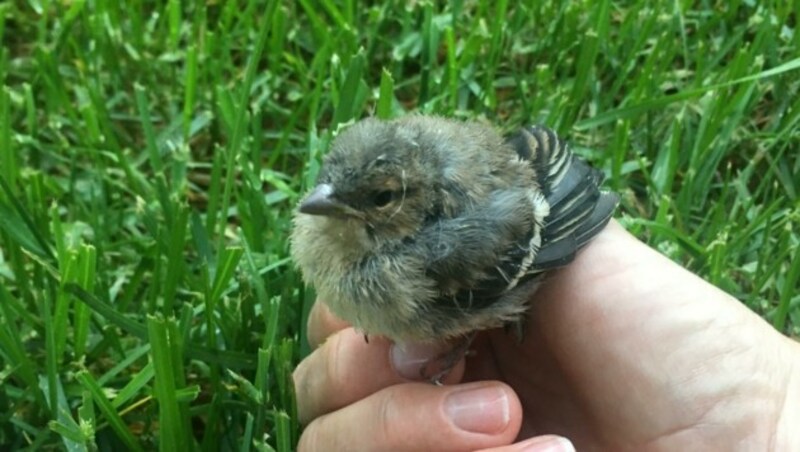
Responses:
[428,229]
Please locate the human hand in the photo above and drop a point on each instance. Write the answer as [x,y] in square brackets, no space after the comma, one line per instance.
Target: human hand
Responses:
[624,350]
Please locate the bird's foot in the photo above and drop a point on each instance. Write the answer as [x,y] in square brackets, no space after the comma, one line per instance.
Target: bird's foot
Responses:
[446,361]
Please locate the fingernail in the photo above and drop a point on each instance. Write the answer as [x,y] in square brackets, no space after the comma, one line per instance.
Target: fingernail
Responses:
[410,360]
[550,443]
[479,410]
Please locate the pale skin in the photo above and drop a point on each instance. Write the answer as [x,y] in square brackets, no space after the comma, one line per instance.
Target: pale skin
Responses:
[624,350]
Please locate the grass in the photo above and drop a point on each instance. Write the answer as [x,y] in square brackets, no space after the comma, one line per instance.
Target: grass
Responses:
[150,156]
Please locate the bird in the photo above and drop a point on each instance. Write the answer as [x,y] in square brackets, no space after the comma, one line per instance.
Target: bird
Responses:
[431,229]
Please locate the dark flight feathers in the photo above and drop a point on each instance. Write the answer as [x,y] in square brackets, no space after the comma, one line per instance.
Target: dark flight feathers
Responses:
[578,208]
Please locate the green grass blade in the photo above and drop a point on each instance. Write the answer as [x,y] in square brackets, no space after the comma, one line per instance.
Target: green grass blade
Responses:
[114,420]
[351,95]
[385,96]
[661,102]
[173,431]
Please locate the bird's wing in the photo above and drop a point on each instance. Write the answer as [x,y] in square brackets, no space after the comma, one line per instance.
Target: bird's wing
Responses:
[579,209]
[475,257]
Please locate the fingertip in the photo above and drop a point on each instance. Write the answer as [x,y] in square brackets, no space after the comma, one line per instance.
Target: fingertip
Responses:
[546,443]
[514,409]
[488,408]
[322,323]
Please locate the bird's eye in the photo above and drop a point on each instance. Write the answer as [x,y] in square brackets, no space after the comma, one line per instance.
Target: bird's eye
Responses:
[383,198]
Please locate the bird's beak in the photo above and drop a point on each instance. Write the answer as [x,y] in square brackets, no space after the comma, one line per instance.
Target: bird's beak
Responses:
[321,202]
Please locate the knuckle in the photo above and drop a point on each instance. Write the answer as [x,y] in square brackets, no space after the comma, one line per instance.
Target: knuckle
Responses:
[313,379]
[303,391]
[310,439]
[317,378]
[389,419]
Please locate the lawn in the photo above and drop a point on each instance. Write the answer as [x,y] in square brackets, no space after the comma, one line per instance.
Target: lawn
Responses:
[151,154]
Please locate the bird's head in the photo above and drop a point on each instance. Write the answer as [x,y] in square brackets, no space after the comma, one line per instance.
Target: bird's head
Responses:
[375,177]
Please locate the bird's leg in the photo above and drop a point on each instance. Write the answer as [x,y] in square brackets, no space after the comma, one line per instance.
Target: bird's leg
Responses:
[447,360]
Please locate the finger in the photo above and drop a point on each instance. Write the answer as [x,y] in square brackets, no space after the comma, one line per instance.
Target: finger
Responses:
[345,369]
[547,443]
[322,323]
[419,416]
[342,370]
